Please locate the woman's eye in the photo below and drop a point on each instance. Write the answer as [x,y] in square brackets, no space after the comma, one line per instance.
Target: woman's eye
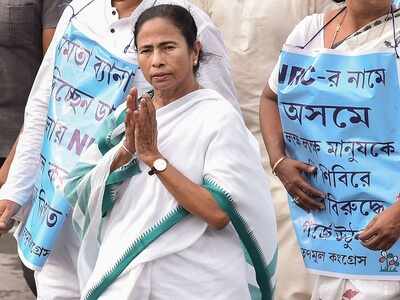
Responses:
[144,51]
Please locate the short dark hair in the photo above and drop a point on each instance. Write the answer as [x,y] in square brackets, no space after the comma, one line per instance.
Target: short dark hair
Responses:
[179,16]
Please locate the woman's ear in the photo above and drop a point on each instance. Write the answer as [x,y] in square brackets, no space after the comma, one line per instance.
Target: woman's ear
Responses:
[196,51]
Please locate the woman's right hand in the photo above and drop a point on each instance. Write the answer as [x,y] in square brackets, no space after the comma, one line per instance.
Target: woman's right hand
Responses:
[124,154]
[289,171]
[130,122]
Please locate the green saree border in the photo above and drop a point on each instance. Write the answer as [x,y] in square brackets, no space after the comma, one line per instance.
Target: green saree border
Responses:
[114,180]
[104,138]
[264,272]
[141,243]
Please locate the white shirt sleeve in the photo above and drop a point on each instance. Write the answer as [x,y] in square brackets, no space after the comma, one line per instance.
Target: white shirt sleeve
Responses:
[24,168]
[300,35]
[215,70]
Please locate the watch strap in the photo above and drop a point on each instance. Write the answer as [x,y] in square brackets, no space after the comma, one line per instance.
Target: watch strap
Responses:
[152,171]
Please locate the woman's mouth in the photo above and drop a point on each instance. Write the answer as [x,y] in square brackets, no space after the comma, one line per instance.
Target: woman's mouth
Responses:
[160,76]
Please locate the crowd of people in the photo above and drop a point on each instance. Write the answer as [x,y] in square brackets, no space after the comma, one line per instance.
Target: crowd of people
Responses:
[285,190]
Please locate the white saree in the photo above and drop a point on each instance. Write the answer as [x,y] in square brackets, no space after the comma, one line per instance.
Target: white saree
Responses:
[138,243]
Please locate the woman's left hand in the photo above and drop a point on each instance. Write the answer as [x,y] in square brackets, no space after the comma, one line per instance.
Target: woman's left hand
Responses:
[146,132]
[384,230]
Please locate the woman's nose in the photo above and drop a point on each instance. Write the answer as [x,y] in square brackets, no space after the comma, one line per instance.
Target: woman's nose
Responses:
[157,59]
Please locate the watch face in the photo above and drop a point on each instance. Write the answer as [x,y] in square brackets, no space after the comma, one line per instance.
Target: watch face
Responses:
[160,164]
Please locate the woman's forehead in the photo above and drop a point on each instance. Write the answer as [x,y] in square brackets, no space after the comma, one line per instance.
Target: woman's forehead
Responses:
[159,30]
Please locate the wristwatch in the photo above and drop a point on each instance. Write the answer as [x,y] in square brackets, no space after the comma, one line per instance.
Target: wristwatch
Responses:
[159,165]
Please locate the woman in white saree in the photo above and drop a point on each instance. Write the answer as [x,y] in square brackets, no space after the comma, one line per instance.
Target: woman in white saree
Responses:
[171,201]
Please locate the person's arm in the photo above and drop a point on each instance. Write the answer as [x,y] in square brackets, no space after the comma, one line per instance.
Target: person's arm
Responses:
[17,189]
[124,154]
[288,170]
[121,168]
[271,126]
[7,163]
[194,198]
[52,11]
[384,230]
[47,36]
[8,208]
[141,137]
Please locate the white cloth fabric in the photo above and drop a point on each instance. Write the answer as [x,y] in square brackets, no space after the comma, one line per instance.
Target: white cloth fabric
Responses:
[329,288]
[97,20]
[58,280]
[219,150]
[374,39]
[254,32]
[184,274]
[301,34]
